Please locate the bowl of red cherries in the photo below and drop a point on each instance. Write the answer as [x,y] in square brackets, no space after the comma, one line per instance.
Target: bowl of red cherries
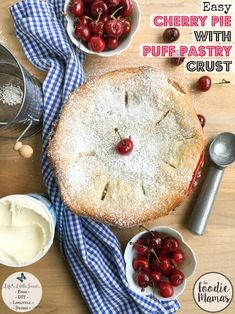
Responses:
[158,263]
[102,27]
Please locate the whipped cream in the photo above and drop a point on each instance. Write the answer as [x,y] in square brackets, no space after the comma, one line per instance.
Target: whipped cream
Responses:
[25,229]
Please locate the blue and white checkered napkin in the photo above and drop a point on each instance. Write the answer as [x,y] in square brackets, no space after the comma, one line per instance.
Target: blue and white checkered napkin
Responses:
[92,250]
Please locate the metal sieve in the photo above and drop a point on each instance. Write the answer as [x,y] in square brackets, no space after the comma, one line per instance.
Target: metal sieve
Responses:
[20,96]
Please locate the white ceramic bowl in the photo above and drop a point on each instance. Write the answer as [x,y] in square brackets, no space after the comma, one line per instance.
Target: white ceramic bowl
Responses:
[188,267]
[124,44]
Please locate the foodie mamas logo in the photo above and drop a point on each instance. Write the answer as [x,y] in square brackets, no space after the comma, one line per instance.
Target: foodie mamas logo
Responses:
[213,292]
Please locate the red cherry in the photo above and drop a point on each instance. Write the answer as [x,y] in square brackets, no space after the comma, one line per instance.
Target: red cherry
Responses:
[127,7]
[126,24]
[151,233]
[99,7]
[164,263]
[177,60]
[140,263]
[170,244]
[76,8]
[165,289]
[96,43]
[113,28]
[104,18]
[171,34]
[202,120]
[112,3]
[82,32]
[176,278]
[160,263]
[156,277]
[204,83]
[162,252]
[82,20]
[111,43]
[125,146]
[169,270]
[140,247]
[178,256]
[96,28]
[142,279]
[154,240]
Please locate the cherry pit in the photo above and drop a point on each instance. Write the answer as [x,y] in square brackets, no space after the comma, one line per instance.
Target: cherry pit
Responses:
[157,262]
[101,24]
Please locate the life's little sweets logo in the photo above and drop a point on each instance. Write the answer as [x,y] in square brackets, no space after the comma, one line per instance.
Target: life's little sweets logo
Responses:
[213,292]
[21,292]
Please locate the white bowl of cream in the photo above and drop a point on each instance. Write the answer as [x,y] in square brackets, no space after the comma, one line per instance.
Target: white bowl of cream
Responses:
[27,227]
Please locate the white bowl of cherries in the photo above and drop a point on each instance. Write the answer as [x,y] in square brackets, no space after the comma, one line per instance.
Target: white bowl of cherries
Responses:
[158,262]
[103,27]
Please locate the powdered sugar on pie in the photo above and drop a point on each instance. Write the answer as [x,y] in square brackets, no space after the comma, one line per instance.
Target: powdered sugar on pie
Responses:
[96,181]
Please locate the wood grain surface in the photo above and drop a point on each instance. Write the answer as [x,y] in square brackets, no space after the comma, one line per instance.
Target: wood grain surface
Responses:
[215,251]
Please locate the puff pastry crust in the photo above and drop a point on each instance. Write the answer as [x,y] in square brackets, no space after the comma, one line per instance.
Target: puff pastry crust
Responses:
[157,113]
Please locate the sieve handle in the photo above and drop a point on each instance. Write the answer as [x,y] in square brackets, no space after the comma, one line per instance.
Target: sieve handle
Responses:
[25,130]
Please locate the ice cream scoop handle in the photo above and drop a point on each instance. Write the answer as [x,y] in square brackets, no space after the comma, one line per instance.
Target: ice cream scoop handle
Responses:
[205,201]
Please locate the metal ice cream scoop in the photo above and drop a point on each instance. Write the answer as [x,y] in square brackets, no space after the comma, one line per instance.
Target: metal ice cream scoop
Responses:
[222,154]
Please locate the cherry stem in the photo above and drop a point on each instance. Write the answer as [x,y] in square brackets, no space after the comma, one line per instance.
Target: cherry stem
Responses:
[148,258]
[152,250]
[112,16]
[97,41]
[88,18]
[64,13]
[141,226]
[100,13]
[141,245]
[116,130]
[173,262]
[223,81]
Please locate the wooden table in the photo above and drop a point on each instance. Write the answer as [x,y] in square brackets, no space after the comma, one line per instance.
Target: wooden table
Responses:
[215,251]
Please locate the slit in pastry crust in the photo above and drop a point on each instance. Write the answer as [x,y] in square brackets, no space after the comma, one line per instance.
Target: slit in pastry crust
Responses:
[169,164]
[177,86]
[126,99]
[105,190]
[143,189]
[163,117]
